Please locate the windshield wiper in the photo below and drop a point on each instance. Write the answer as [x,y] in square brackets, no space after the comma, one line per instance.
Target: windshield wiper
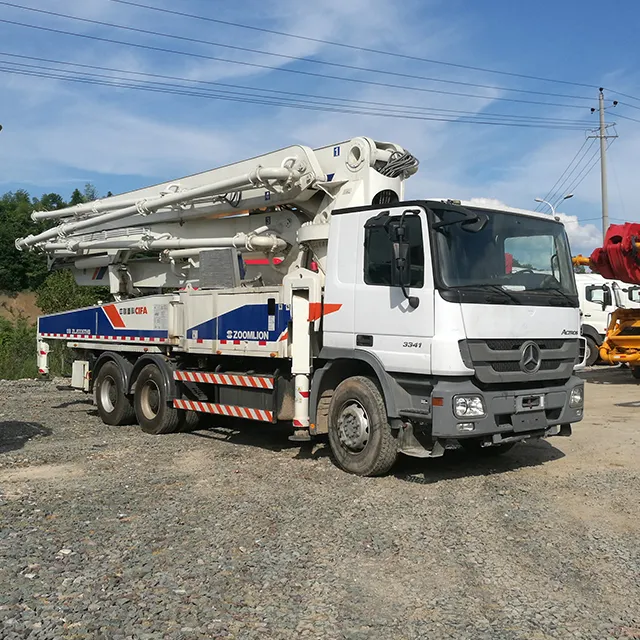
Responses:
[491,287]
[556,290]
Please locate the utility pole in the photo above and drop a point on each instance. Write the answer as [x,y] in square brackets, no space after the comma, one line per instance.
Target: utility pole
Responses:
[603,165]
[602,134]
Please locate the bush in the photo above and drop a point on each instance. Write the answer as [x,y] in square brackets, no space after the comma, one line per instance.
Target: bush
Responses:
[59,292]
[18,344]
[17,349]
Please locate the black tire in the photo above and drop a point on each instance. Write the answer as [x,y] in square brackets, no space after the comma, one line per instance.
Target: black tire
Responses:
[113,402]
[193,421]
[154,413]
[364,451]
[474,447]
[593,352]
[635,372]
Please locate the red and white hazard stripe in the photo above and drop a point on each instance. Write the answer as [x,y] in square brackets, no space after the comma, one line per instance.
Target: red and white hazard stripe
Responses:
[86,336]
[225,410]
[256,382]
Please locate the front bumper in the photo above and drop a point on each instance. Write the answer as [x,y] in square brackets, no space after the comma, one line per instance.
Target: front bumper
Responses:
[507,416]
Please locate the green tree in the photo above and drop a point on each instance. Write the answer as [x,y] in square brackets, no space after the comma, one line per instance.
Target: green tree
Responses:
[89,193]
[76,198]
[20,269]
[59,292]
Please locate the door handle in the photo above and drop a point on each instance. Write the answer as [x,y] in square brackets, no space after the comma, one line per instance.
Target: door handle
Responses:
[364,341]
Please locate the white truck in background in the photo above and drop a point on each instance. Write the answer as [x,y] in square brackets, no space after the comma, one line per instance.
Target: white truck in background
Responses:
[599,297]
[298,286]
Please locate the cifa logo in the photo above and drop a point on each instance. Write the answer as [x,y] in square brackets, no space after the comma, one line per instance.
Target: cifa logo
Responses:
[131,311]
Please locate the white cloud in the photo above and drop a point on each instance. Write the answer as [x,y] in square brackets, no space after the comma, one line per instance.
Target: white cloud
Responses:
[57,132]
[584,238]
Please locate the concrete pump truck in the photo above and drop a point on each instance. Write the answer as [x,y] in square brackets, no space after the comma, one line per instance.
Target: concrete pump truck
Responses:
[298,286]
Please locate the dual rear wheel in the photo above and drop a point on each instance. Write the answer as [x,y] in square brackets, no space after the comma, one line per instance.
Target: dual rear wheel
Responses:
[148,406]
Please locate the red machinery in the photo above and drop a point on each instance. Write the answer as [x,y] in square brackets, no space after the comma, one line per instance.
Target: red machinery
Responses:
[619,259]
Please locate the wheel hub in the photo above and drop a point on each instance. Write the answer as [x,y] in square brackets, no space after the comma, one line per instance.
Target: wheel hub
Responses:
[353,427]
[108,394]
[150,399]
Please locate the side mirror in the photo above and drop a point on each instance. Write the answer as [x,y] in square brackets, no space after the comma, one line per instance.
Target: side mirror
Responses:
[604,298]
[633,293]
[401,267]
[401,271]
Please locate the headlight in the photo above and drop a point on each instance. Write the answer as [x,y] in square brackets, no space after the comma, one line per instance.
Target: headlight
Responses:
[576,399]
[468,407]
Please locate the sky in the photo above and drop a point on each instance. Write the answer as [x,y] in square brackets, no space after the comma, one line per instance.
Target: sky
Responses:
[59,135]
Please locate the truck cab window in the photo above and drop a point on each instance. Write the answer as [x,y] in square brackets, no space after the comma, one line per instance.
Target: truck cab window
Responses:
[532,260]
[378,253]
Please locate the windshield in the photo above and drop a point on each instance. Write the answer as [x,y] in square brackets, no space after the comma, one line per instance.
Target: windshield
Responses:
[514,258]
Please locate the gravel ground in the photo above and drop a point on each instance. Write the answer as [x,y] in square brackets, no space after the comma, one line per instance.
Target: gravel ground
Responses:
[108,533]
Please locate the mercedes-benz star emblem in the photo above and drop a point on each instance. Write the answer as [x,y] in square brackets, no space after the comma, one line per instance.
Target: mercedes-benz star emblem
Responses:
[531,357]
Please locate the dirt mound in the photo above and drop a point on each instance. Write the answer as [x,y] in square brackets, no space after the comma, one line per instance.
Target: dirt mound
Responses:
[23,304]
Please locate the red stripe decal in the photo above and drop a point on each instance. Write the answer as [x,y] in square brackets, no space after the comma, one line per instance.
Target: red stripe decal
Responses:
[317,310]
[114,316]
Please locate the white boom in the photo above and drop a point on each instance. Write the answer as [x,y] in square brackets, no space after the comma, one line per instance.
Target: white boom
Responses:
[276,205]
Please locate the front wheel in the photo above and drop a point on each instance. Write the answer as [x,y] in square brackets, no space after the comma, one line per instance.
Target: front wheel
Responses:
[593,353]
[635,372]
[153,411]
[359,433]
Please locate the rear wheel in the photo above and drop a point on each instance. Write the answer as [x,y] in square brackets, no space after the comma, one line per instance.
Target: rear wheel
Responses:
[359,433]
[592,352]
[193,421]
[153,411]
[635,372]
[114,405]
[475,447]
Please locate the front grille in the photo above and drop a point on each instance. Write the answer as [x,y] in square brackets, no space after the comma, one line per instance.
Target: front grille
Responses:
[503,367]
[549,365]
[497,360]
[545,365]
[516,344]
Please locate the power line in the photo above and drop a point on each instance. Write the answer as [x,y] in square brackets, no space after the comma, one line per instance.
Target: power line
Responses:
[285,56]
[624,95]
[619,115]
[588,168]
[552,192]
[285,70]
[631,106]
[567,183]
[596,218]
[352,46]
[297,95]
[263,100]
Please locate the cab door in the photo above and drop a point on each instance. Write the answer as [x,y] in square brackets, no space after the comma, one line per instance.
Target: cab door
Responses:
[386,322]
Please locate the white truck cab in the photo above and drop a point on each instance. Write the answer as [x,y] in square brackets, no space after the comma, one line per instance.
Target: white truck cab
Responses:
[599,297]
